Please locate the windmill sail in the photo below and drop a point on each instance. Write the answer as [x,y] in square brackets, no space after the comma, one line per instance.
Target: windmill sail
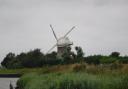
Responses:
[69,31]
[54,33]
[52,48]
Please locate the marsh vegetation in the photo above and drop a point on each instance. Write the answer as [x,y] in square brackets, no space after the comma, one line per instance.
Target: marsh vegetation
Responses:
[76,76]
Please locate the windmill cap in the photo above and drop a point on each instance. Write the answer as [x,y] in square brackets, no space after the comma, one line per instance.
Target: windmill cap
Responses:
[64,41]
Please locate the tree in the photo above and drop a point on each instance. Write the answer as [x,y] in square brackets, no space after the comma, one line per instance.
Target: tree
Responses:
[33,59]
[67,56]
[9,57]
[115,54]
[95,59]
[51,59]
[52,55]
[80,53]
[21,59]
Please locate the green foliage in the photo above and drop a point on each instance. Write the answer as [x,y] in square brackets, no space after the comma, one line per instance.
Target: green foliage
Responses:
[68,56]
[123,60]
[80,53]
[115,54]
[93,59]
[25,80]
[51,59]
[8,60]
[99,59]
[107,60]
[35,58]
[73,81]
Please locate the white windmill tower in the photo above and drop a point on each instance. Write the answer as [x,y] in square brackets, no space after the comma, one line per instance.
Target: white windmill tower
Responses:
[62,43]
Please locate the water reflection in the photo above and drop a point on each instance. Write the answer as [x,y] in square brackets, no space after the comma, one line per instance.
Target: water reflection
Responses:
[5,82]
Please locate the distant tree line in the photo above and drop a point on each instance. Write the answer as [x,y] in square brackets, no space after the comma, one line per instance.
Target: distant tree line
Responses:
[100,59]
[35,58]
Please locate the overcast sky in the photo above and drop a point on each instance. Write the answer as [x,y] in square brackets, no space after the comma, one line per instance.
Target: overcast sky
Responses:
[101,25]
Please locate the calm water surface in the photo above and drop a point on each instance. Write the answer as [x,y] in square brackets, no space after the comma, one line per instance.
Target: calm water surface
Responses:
[4,82]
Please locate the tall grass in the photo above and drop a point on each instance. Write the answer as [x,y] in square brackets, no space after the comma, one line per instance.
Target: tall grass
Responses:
[93,69]
[73,81]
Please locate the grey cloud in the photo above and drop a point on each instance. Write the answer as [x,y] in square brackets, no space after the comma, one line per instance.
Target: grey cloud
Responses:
[101,25]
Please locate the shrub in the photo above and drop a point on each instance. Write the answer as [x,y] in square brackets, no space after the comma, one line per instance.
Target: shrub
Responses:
[93,59]
[107,60]
[115,54]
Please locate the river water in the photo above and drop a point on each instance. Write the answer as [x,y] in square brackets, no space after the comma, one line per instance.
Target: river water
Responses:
[4,82]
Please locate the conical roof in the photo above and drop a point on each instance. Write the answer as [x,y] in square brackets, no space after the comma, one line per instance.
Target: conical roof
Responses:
[64,41]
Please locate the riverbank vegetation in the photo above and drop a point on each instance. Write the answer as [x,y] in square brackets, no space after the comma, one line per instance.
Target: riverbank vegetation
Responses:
[77,76]
[89,68]
[72,71]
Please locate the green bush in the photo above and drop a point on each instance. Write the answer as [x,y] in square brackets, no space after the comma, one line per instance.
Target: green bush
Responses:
[107,60]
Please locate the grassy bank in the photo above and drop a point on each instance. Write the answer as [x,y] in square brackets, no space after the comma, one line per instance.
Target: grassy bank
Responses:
[73,81]
[93,69]
[42,70]
[19,71]
[77,76]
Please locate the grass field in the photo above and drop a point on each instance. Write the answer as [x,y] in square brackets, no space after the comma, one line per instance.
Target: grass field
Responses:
[42,70]
[77,76]
[94,69]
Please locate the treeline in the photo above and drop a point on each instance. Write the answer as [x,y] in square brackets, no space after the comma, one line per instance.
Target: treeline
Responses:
[112,58]
[35,58]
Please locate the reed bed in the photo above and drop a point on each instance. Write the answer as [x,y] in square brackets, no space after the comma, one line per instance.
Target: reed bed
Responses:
[79,80]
